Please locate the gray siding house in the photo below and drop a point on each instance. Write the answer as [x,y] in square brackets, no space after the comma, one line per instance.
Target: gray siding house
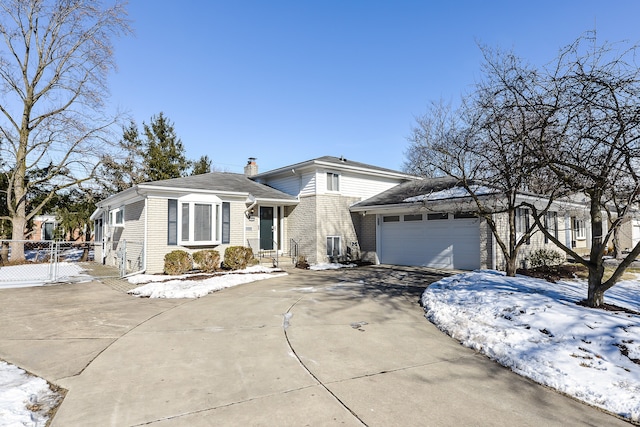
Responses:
[325,209]
[303,206]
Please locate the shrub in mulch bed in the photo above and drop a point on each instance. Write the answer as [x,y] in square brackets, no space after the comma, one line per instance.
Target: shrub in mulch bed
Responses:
[555,272]
[207,260]
[177,262]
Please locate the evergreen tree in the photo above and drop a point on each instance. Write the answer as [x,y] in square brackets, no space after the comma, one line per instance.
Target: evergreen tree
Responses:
[121,171]
[201,166]
[165,157]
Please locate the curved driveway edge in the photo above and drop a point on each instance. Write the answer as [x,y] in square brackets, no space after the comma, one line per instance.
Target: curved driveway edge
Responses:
[347,347]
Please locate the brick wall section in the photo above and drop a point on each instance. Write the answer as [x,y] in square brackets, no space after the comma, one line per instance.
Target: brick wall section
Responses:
[301,221]
[625,235]
[486,245]
[334,219]
[367,237]
[537,241]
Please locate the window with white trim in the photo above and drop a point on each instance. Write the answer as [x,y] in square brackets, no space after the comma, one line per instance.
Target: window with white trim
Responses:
[522,220]
[551,225]
[522,223]
[116,217]
[579,232]
[196,220]
[333,181]
[333,246]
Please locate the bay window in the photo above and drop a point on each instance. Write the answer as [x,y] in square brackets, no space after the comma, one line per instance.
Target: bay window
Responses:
[197,220]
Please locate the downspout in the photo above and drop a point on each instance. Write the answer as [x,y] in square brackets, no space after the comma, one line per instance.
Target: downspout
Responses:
[494,252]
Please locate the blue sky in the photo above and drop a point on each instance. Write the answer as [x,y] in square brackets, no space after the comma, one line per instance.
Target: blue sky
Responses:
[288,81]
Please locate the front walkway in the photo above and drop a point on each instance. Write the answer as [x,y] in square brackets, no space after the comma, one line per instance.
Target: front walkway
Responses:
[347,347]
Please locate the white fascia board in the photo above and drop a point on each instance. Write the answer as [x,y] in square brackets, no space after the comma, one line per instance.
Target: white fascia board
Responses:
[286,202]
[124,197]
[401,207]
[95,214]
[148,189]
[316,164]
[541,202]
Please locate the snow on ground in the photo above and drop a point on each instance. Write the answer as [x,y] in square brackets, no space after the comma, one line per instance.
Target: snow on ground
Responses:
[20,391]
[40,274]
[163,286]
[330,266]
[536,329]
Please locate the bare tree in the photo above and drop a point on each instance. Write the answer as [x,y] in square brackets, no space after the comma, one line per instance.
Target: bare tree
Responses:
[53,68]
[594,146]
[485,146]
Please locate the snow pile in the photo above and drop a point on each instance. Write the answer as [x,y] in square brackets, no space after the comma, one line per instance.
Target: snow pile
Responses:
[162,286]
[24,399]
[536,329]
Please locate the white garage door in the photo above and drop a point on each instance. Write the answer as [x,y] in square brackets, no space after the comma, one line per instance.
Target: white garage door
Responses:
[430,240]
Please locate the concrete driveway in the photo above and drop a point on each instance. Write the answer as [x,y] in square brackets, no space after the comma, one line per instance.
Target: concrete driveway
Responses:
[348,347]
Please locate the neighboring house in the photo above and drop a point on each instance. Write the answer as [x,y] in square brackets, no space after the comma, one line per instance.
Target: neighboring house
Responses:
[46,227]
[43,227]
[325,209]
[429,223]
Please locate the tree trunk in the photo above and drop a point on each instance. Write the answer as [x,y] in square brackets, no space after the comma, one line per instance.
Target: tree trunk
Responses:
[17,244]
[511,266]
[595,294]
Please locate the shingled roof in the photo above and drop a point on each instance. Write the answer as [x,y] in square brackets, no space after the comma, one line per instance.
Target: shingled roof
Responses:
[339,162]
[221,182]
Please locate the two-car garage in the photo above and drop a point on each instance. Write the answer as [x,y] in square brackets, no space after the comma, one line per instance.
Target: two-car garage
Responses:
[437,240]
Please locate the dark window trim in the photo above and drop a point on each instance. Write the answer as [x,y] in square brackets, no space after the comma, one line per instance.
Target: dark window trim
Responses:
[172,222]
[226,222]
[437,216]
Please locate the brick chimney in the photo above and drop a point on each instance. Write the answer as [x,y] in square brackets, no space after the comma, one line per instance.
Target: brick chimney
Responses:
[251,168]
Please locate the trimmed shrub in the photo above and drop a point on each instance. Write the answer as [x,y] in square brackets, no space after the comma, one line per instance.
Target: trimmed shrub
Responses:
[545,258]
[237,257]
[177,262]
[301,262]
[207,260]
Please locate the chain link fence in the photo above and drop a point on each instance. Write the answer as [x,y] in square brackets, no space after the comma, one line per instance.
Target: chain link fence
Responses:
[29,261]
[129,256]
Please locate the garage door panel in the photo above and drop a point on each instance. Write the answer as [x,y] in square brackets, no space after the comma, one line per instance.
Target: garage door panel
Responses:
[447,244]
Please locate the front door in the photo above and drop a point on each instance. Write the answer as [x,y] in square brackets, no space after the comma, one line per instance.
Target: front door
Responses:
[266,228]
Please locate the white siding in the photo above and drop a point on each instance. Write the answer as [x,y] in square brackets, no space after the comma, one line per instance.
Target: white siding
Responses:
[355,185]
[364,186]
[296,184]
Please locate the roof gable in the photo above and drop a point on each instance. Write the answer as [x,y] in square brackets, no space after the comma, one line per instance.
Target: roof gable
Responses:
[339,163]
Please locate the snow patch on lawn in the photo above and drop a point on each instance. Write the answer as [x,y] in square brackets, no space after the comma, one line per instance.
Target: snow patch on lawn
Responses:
[24,399]
[535,328]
